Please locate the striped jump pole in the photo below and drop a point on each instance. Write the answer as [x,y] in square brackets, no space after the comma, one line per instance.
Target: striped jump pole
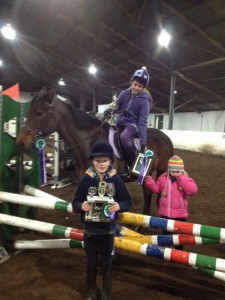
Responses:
[48,244]
[133,235]
[173,255]
[173,226]
[164,240]
[49,228]
[38,193]
[213,273]
[127,246]
[51,203]
[167,240]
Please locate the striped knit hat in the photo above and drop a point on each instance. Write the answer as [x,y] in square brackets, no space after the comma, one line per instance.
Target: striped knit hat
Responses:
[175,163]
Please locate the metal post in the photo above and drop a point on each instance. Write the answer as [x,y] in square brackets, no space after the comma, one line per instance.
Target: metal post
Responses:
[94,102]
[172,98]
[82,102]
[3,253]
[1,122]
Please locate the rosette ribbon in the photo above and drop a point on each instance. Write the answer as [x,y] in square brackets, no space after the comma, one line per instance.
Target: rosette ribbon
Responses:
[147,155]
[40,144]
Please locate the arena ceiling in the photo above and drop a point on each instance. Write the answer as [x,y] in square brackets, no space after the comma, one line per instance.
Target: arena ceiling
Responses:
[60,38]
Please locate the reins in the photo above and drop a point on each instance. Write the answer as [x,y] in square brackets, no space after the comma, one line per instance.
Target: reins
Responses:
[38,132]
[90,135]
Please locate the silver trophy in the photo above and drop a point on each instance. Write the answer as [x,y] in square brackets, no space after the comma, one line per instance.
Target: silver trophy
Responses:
[110,190]
[102,189]
[92,191]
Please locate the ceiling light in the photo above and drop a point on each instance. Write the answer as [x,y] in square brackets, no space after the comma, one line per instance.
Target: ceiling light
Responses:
[92,69]
[61,82]
[8,32]
[164,38]
[1,63]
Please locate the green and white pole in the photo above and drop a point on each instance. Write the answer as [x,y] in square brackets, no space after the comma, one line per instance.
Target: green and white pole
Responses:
[51,203]
[48,244]
[44,227]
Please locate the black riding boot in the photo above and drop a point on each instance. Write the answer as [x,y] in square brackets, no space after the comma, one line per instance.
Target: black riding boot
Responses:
[107,285]
[130,157]
[91,285]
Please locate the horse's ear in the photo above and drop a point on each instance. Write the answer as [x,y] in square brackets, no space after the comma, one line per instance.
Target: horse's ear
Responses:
[50,95]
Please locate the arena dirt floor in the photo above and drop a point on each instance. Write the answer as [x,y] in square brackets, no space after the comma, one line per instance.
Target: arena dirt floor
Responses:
[60,274]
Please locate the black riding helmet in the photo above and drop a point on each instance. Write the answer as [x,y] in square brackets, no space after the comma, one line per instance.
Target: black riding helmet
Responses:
[102,148]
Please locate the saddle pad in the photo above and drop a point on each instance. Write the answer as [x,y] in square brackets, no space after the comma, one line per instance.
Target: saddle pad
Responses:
[111,142]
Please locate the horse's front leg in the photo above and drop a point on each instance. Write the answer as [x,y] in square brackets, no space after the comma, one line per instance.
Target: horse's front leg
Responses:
[147,200]
[147,204]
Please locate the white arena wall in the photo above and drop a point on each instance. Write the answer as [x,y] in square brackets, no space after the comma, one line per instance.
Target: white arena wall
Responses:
[203,132]
[198,141]
[213,121]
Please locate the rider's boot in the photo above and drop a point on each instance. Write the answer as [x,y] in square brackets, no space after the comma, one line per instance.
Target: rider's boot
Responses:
[91,284]
[107,285]
[130,157]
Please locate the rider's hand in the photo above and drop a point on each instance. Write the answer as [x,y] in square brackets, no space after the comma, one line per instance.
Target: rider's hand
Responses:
[143,147]
[107,113]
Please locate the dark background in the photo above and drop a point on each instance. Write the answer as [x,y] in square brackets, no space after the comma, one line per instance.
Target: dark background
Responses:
[61,38]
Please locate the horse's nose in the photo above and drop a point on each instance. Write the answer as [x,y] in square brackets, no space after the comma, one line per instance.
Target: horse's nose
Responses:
[20,143]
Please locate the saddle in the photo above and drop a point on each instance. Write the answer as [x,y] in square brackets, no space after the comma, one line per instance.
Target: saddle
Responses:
[115,142]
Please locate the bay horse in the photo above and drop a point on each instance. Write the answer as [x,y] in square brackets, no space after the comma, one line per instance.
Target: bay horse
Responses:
[80,130]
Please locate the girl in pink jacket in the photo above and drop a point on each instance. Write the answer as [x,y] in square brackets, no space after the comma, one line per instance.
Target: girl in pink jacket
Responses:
[175,186]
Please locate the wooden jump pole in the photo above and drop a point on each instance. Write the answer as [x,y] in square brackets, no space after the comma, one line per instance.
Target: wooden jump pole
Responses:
[51,203]
[173,226]
[164,240]
[48,244]
[44,227]
[173,255]
[216,234]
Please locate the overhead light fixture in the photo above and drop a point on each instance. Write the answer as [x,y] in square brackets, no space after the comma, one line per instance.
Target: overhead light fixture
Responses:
[1,63]
[8,32]
[61,82]
[92,69]
[164,38]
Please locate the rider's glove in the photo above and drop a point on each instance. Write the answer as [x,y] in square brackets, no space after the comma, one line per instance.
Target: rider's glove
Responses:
[143,147]
[107,113]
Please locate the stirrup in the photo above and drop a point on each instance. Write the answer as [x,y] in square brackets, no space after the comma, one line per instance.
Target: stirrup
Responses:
[127,174]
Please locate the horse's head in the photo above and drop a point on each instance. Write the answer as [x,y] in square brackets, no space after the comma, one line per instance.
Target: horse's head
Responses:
[40,120]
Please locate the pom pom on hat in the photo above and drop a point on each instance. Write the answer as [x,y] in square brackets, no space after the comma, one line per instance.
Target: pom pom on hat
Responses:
[175,163]
[144,68]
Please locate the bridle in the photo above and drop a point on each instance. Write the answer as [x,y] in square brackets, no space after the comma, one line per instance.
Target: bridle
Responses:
[35,133]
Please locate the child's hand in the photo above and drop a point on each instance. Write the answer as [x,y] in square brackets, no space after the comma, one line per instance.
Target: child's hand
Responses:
[86,206]
[176,173]
[114,207]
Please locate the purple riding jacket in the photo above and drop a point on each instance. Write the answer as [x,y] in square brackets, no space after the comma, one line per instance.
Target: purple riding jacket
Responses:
[135,110]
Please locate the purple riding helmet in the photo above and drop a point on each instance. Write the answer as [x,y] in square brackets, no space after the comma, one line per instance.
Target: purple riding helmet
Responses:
[141,76]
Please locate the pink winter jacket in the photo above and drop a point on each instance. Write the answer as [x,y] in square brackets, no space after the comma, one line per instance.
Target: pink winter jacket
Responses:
[173,202]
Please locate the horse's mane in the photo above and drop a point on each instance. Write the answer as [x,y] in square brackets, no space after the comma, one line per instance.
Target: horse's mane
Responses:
[82,119]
